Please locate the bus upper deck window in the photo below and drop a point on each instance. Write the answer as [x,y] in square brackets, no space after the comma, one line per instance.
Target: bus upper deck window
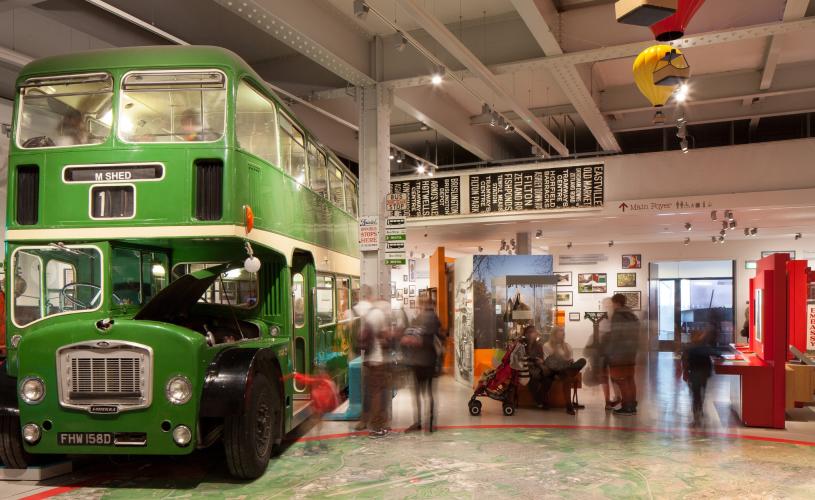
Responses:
[62,111]
[173,106]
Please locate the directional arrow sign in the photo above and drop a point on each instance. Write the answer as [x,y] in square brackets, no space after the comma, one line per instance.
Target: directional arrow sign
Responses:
[623,206]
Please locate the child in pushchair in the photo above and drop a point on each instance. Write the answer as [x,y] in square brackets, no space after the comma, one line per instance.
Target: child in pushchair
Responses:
[502,382]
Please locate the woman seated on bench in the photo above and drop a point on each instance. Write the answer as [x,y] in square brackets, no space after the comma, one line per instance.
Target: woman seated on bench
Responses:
[548,361]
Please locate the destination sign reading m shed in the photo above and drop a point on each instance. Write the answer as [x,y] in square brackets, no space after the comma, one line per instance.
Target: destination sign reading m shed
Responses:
[540,189]
[113,173]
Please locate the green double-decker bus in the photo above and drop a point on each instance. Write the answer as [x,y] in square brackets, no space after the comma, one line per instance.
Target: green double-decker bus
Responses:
[177,245]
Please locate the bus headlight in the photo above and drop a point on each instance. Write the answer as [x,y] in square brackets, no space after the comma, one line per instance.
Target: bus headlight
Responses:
[32,390]
[179,390]
[15,341]
[31,433]
[182,435]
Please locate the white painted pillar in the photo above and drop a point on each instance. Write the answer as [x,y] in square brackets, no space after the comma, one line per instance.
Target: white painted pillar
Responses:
[375,103]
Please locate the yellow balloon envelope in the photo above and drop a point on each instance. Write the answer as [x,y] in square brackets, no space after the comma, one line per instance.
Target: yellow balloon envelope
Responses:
[644,66]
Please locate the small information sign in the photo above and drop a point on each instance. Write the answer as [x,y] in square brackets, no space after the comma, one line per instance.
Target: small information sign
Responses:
[369,233]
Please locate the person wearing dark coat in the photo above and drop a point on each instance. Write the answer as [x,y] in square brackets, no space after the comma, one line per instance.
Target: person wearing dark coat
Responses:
[424,360]
[621,353]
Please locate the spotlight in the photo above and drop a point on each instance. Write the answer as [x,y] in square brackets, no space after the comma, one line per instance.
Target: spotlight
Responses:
[400,157]
[493,119]
[538,234]
[797,236]
[420,168]
[746,231]
[688,226]
[731,225]
[361,9]
[728,214]
[713,215]
[684,145]
[438,75]
[681,93]
[507,125]
[430,172]
[391,155]
[753,231]
[721,240]
[722,232]
[687,241]
[569,245]
[713,239]
[401,44]
[659,118]
[423,127]
[611,243]
[480,249]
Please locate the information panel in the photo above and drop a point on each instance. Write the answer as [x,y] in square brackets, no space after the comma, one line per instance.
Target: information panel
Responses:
[430,197]
[543,189]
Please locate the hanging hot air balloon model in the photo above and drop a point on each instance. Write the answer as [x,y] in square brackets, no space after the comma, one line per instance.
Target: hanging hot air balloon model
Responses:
[647,63]
[673,69]
[673,27]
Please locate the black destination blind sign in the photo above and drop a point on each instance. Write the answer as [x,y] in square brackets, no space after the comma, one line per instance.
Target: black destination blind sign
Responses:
[430,197]
[113,173]
[544,189]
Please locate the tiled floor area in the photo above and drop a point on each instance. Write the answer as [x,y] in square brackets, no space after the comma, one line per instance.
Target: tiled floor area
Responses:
[532,454]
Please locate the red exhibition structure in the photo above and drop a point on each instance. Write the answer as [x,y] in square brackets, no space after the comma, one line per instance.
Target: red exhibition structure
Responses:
[778,319]
[673,27]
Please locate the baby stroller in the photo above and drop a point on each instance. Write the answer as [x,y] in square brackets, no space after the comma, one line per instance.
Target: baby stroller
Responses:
[500,383]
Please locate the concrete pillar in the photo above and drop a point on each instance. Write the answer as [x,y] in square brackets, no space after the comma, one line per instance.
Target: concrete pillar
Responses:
[374,177]
[523,244]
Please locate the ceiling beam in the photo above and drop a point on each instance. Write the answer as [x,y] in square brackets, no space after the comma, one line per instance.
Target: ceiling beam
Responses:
[437,110]
[314,29]
[540,16]
[793,10]
[543,112]
[612,52]
[457,49]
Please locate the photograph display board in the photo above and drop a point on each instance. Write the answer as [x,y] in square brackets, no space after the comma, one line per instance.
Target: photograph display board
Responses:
[430,197]
[542,189]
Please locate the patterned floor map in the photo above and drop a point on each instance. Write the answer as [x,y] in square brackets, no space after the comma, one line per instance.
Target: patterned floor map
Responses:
[491,463]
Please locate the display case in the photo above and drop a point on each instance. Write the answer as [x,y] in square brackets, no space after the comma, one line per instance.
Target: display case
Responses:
[524,300]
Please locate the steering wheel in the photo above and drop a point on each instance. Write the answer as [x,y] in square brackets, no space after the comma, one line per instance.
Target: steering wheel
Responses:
[41,141]
[73,300]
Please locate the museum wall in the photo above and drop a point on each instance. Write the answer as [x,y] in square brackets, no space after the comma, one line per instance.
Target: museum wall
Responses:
[577,333]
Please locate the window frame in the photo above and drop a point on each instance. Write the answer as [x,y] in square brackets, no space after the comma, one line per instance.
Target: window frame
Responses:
[284,116]
[118,115]
[336,165]
[21,105]
[317,287]
[275,111]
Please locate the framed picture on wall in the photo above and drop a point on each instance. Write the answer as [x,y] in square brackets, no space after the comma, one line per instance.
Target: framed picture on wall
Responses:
[405,300]
[564,298]
[574,316]
[632,261]
[405,277]
[411,270]
[633,300]
[626,280]
[412,304]
[770,252]
[592,283]
[564,278]
[412,291]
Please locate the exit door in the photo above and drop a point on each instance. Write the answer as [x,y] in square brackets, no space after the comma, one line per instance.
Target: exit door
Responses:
[302,281]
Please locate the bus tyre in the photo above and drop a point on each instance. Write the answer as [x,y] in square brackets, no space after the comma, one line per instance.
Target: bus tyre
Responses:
[250,437]
[12,453]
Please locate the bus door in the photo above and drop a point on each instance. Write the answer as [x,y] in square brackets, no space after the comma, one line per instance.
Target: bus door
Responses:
[302,282]
[326,319]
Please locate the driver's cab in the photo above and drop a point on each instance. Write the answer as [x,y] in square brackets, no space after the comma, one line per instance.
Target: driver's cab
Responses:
[53,279]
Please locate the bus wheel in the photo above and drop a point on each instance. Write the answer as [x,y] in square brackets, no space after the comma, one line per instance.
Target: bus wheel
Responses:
[249,438]
[12,453]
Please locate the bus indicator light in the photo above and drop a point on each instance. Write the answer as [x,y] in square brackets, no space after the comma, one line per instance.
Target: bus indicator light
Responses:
[248,218]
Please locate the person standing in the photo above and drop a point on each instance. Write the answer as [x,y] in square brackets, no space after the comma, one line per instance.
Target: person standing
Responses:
[376,344]
[606,383]
[697,368]
[622,353]
[424,359]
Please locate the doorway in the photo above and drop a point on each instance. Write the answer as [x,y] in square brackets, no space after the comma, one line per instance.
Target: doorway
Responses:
[690,297]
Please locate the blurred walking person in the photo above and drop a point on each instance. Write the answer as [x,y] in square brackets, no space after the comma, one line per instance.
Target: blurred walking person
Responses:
[376,343]
[697,368]
[622,353]
[423,345]
[609,387]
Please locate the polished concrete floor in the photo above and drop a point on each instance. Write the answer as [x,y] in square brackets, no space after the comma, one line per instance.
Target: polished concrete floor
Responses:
[535,453]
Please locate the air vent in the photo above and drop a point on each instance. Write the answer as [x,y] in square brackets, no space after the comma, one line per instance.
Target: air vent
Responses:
[581,259]
[209,187]
[28,194]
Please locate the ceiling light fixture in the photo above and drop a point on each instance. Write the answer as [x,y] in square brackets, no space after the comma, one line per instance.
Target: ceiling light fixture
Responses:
[420,168]
[569,245]
[611,243]
[400,157]
[430,172]
[723,232]
[731,225]
[728,214]
[721,240]
[681,93]
[538,234]
[713,239]
[391,156]
[797,236]
[746,231]
[494,119]
[402,43]
[687,241]
[713,215]
[688,226]
[753,231]
[423,127]
[438,75]
[361,9]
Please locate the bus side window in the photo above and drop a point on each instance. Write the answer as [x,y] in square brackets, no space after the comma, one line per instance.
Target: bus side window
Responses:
[256,124]
[292,150]
[351,199]
[317,171]
[337,191]
[344,299]
[355,286]
[325,299]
